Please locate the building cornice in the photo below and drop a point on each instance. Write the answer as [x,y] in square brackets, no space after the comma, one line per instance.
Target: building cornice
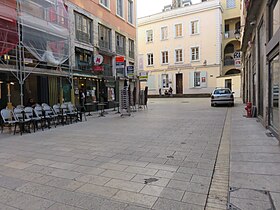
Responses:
[180,12]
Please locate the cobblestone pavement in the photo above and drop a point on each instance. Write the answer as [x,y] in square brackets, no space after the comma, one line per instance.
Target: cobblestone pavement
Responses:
[161,158]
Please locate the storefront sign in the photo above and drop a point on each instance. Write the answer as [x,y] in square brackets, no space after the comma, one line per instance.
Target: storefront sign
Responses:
[143,76]
[130,71]
[98,59]
[119,59]
[98,68]
[120,65]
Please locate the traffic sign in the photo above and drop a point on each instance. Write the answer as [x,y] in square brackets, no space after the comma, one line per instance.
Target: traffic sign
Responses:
[237,55]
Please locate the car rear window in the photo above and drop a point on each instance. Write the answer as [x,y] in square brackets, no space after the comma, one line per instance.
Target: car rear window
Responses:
[222,91]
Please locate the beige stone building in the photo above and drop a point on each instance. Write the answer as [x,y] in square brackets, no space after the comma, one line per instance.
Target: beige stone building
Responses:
[181,47]
[230,70]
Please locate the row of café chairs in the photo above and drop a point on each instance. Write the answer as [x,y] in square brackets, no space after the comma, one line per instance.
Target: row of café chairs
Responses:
[44,115]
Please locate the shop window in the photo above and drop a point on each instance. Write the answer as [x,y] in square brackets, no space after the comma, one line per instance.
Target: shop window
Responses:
[165,81]
[274,90]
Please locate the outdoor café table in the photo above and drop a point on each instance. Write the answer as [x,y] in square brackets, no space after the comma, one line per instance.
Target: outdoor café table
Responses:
[101,106]
[88,105]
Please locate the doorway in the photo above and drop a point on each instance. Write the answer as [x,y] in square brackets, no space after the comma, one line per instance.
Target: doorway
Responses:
[179,83]
[228,84]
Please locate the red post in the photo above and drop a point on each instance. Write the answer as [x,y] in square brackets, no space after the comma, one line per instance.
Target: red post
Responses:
[248,108]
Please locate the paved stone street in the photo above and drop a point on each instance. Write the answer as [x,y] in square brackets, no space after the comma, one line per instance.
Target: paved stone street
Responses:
[103,163]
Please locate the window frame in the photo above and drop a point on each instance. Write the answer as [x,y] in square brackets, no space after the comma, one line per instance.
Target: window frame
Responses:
[104,5]
[164,57]
[197,29]
[182,55]
[147,36]
[161,34]
[175,30]
[83,26]
[195,77]
[191,48]
[150,59]
[122,9]
[130,12]
[165,77]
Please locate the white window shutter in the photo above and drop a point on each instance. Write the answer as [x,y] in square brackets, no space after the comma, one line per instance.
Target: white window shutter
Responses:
[203,79]
[191,79]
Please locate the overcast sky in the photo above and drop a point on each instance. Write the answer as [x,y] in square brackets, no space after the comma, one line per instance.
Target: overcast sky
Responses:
[149,7]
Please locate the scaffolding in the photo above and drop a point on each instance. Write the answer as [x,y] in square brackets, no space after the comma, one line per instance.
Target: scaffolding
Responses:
[36,37]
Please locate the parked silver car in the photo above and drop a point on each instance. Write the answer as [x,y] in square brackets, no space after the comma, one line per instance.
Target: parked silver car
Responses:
[222,96]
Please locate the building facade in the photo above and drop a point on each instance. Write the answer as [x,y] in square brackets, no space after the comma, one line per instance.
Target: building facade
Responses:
[231,62]
[260,46]
[181,47]
[65,47]
[103,30]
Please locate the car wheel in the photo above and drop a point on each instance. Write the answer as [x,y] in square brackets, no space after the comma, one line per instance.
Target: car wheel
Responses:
[232,104]
[212,105]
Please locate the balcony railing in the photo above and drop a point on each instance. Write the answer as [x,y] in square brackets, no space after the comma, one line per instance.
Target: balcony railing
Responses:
[120,50]
[229,34]
[83,37]
[131,54]
[104,45]
[228,62]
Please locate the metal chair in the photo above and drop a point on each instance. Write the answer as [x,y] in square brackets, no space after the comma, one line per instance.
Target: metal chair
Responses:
[8,118]
[29,113]
[22,120]
[60,113]
[50,114]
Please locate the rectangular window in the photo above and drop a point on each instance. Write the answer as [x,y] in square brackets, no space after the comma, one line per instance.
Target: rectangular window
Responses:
[195,53]
[164,33]
[105,3]
[274,17]
[131,48]
[120,44]
[83,28]
[130,11]
[150,59]
[194,27]
[120,8]
[104,37]
[164,57]
[149,35]
[179,55]
[231,4]
[178,30]
[197,79]
[165,81]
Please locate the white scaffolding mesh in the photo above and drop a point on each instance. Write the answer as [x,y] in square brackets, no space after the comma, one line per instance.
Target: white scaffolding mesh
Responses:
[8,26]
[45,29]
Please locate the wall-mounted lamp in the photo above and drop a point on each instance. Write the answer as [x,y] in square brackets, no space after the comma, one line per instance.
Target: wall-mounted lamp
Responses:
[12,83]
[237,34]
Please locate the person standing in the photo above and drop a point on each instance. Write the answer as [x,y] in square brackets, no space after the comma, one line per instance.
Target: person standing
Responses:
[159,90]
[170,91]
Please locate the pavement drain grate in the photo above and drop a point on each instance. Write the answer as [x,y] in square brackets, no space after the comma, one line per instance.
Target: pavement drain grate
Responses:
[269,134]
[183,142]
[150,180]
[243,199]
[185,102]
[170,156]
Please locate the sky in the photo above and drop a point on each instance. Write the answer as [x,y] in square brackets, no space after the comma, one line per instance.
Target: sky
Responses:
[149,7]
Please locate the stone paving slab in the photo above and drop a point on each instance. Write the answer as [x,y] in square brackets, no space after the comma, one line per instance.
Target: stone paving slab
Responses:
[103,163]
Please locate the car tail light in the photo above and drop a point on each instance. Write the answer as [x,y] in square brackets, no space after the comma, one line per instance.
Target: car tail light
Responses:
[231,96]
